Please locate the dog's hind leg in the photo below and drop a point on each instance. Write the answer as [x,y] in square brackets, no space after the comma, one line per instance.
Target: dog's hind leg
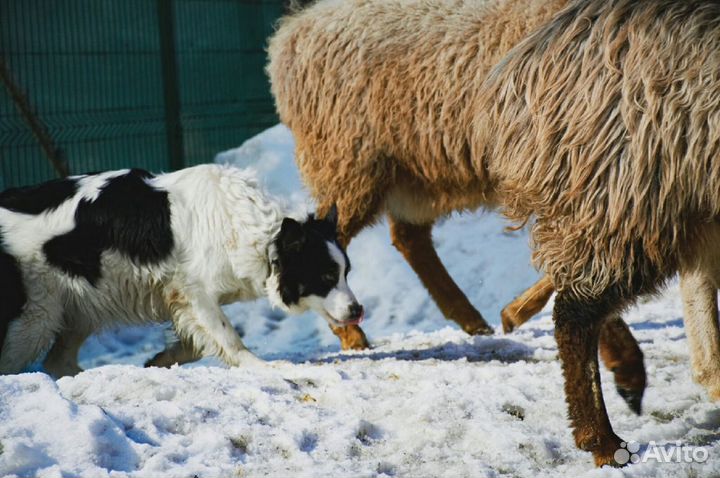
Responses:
[177,351]
[699,293]
[30,335]
[62,359]
[415,244]
[528,304]
[621,354]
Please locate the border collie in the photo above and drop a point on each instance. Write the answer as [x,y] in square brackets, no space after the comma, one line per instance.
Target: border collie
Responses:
[89,252]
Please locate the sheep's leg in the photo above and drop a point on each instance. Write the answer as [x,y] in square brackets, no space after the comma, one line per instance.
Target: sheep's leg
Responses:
[619,350]
[528,304]
[577,330]
[699,293]
[62,360]
[621,354]
[415,244]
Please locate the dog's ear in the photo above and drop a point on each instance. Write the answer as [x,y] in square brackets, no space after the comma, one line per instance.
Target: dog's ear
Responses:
[332,216]
[328,225]
[292,236]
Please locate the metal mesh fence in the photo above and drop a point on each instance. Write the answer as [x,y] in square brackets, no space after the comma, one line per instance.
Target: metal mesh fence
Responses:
[157,84]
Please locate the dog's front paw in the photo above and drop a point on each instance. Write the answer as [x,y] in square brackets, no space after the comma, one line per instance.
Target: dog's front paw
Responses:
[246,358]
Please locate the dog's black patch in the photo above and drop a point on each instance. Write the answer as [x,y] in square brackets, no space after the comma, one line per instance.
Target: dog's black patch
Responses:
[12,291]
[305,266]
[128,216]
[40,198]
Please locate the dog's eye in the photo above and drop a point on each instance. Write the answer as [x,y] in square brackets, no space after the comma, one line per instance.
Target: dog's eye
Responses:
[329,278]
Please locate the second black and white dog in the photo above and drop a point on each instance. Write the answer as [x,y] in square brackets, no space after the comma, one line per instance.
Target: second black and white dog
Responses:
[89,252]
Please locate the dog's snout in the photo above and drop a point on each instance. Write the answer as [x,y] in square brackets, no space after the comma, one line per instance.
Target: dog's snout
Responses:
[356,310]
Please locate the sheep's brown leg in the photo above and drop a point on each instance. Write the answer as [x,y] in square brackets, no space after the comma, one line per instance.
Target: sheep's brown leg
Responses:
[621,354]
[619,350]
[577,329]
[528,304]
[415,244]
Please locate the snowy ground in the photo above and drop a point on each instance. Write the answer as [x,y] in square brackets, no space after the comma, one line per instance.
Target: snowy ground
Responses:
[427,400]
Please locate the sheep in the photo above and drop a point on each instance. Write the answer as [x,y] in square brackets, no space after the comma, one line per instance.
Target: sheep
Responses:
[604,127]
[388,103]
[354,82]
[379,96]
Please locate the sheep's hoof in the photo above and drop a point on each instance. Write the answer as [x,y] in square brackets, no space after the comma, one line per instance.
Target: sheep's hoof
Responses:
[352,338]
[616,453]
[478,329]
[610,451]
[508,324]
[633,398]
[602,460]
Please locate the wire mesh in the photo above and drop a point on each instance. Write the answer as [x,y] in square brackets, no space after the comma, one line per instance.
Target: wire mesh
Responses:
[95,75]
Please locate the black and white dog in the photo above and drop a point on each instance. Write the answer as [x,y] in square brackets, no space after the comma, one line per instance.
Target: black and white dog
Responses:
[88,252]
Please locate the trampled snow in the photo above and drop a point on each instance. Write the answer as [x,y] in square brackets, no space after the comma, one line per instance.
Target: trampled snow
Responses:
[426,401]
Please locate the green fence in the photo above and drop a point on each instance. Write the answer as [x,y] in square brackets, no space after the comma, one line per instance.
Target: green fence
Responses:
[107,84]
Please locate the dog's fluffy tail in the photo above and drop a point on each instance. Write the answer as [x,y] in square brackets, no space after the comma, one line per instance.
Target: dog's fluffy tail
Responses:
[296,6]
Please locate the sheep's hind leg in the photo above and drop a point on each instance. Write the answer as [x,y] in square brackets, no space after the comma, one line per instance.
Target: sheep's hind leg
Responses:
[699,295]
[621,354]
[619,350]
[415,244]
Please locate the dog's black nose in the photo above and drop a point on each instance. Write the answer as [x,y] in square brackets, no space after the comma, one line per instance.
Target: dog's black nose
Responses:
[356,310]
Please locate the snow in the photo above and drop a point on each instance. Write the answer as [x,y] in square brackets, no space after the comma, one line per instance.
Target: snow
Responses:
[427,400]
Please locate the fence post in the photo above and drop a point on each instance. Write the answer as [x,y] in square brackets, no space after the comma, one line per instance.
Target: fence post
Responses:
[171,88]
[53,153]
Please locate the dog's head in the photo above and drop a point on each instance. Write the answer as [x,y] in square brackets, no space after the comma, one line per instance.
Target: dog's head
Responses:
[310,269]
